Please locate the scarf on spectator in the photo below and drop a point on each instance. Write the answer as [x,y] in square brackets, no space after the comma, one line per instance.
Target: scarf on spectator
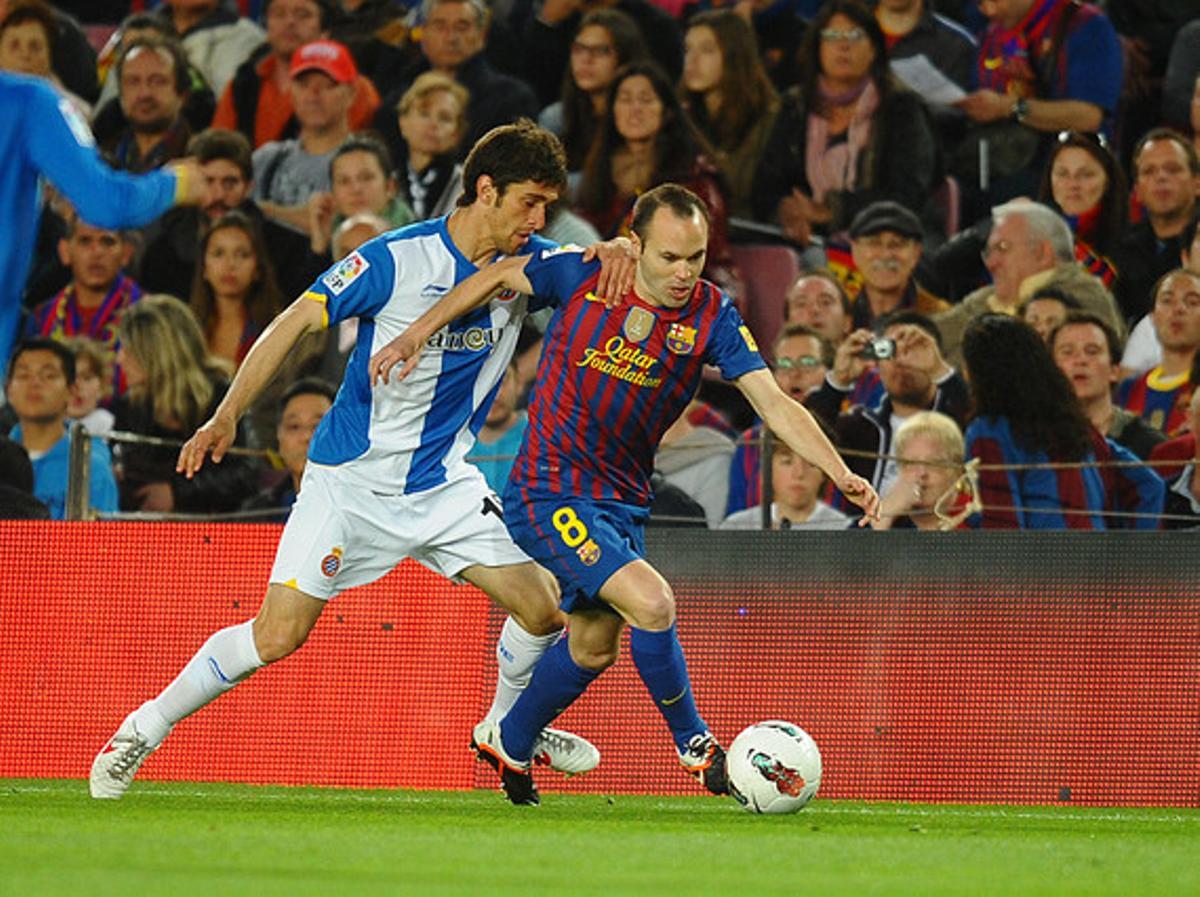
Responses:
[830,168]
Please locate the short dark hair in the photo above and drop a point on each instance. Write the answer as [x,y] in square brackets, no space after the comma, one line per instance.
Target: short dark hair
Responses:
[1058,294]
[680,200]
[510,154]
[364,143]
[829,277]
[160,45]
[915,318]
[33,12]
[791,330]
[1086,317]
[307,386]
[42,344]
[1189,149]
[217,143]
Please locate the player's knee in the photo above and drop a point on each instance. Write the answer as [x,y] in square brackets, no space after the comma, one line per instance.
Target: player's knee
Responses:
[594,657]
[655,609]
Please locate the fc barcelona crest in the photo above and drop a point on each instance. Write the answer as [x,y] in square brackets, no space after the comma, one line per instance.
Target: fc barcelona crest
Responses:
[681,339]
[589,552]
[638,324]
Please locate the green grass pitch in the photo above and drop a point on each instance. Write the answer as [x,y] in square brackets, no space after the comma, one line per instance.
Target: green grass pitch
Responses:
[219,840]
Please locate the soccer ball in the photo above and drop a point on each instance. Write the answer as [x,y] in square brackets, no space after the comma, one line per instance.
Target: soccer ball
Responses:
[773,767]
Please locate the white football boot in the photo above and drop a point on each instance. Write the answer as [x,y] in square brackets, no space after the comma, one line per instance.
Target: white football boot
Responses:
[118,762]
[565,752]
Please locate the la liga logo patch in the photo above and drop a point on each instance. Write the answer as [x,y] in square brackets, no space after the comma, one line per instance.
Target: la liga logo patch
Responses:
[332,563]
[345,273]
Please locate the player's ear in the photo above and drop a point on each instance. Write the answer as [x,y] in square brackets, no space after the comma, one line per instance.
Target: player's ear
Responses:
[485,189]
[636,241]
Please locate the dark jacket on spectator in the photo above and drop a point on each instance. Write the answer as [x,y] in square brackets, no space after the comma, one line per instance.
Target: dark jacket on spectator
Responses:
[870,429]
[1141,259]
[171,248]
[901,162]
[215,488]
[547,48]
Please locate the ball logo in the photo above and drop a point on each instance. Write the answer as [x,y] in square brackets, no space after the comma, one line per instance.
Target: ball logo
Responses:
[787,781]
[332,563]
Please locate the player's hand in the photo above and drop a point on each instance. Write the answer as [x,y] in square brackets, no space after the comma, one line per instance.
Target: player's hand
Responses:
[404,350]
[859,491]
[917,349]
[848,363]
[618,263]
[321,209]
[216,436]
[192,186]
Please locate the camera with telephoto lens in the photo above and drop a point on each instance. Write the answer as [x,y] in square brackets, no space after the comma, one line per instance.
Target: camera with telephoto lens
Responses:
[880,347]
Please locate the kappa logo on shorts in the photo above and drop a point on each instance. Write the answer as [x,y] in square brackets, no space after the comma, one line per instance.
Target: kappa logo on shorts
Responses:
[346,272]
[332,563]
[589,552]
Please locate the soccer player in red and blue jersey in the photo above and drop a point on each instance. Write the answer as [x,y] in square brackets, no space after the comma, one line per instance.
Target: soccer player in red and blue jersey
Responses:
[610,382]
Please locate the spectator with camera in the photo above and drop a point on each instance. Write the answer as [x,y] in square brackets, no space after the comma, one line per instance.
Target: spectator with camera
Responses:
[906,350]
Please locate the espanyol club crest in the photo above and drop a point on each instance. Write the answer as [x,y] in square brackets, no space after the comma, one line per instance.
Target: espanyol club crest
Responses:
[681,339]
[332,563]
[638,324]
[589,552]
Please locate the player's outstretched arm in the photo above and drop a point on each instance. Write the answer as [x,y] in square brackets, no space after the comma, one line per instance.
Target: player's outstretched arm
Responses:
[465,297]
[792,422]
[305,315]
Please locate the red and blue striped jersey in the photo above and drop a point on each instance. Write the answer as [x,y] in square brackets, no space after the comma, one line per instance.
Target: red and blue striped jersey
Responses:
[610,382]
[1160,401]
[1020,489]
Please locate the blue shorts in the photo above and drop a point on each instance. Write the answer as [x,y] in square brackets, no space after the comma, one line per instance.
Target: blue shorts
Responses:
[582,542]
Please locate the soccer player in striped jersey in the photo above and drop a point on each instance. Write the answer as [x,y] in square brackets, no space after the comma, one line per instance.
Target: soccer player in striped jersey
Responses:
[609,384]
[386,476]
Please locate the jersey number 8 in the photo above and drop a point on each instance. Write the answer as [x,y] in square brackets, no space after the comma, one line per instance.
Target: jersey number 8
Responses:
[570,527]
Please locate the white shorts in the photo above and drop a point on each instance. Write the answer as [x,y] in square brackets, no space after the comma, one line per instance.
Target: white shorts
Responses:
[340,535]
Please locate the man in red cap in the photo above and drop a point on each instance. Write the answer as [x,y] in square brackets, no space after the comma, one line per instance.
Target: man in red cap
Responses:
[288,172]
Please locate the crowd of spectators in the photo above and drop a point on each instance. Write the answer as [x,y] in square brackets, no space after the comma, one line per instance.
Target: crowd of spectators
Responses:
[988,209]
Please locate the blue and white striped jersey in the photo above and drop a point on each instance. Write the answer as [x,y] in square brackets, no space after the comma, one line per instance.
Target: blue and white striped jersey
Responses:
[412,435]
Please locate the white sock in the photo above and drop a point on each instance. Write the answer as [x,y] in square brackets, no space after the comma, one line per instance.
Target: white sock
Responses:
[517,652]
[228,657]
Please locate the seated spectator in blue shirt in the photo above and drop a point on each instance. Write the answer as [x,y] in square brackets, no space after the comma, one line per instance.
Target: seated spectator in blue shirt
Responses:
[41,377]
